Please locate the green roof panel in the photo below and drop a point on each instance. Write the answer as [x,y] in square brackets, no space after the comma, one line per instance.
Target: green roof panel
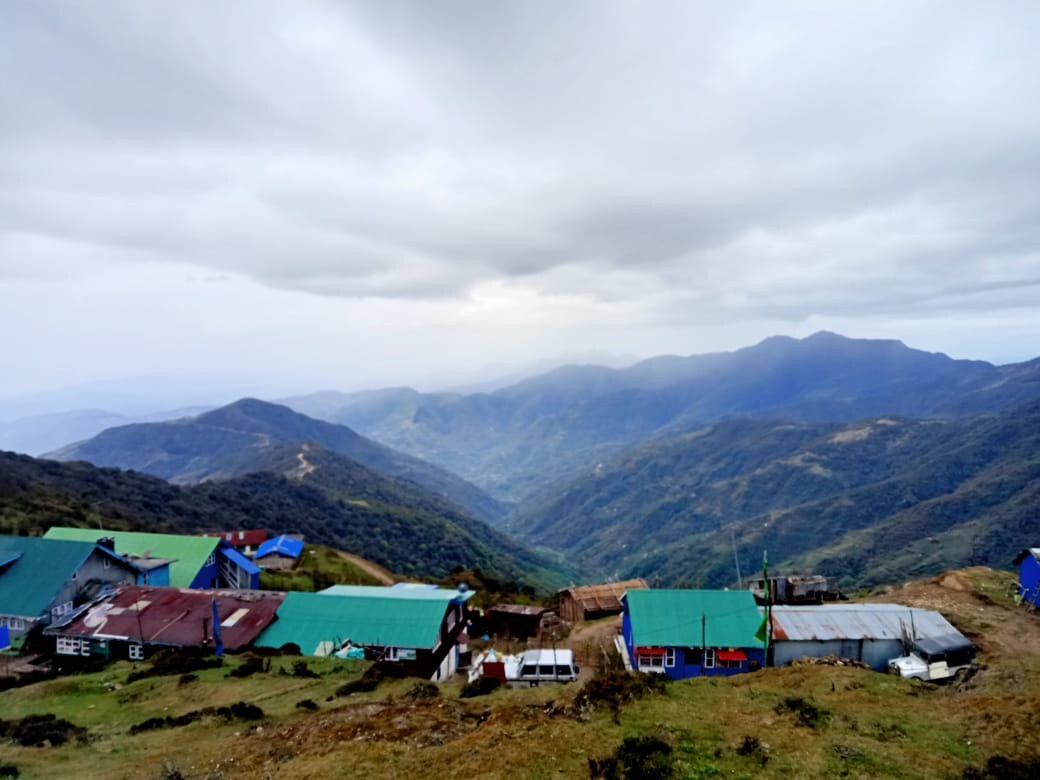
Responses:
[37,570]
[673,618]
[319,622]
[189,553]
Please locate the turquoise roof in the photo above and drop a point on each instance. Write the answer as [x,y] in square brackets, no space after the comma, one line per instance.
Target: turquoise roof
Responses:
[673,618]
[320,622]
[415,591]
[37,569]
[189,553]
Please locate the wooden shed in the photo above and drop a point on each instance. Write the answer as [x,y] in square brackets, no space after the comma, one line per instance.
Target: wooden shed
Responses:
[589,602]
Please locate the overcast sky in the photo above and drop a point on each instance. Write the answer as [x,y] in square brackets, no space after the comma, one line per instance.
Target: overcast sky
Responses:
[290,196]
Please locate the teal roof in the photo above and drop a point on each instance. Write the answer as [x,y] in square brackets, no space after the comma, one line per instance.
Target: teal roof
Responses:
[320,622]
[189,553]
[672,618]
[37,569]
[414,591]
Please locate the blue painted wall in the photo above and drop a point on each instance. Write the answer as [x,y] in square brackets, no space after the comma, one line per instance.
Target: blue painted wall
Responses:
[208,577]
[1029,580]
[159,577]
[687,662]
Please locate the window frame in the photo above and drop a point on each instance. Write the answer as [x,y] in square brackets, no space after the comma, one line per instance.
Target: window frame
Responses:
[709,659]
[669,658]
[135,652]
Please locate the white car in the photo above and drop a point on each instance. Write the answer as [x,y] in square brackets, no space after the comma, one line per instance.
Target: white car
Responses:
[536,667]
[935,659]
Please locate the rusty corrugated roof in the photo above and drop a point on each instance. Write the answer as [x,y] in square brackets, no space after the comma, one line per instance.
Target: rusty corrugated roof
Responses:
[605,596]
[176,616]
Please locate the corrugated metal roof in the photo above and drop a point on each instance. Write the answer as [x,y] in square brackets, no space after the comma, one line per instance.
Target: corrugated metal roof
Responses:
[240,560]
[672,618]
[319,622]
[604,596]
[393,592]
[40,568]
[520,609]
[188,552]
[176,616]
[280,545]
[856,621]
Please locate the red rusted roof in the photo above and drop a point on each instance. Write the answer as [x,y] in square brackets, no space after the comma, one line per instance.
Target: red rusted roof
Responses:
[176,616]
[252,538]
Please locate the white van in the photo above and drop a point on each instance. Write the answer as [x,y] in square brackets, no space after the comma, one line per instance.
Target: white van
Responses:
[935,659]
[536,667]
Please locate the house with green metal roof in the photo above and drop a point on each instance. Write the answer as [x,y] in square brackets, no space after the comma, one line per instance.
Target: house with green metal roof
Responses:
[692,633]
[197,561]
[43,579]
[418,628]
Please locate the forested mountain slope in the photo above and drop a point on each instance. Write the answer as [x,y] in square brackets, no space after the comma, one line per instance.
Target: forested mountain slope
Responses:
[234,440]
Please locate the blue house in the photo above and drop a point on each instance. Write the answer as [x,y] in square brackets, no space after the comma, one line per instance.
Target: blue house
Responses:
[692,633]
[1028,562]
[281,552]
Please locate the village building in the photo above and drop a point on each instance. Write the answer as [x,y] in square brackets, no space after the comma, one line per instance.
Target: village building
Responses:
[517,621]
[43,579]
[591,602]
[416,627]
[281,552]
[1028,563]
[871,633]
[197,561]
[133,622]
[692,633]
[246,542]
[811,589]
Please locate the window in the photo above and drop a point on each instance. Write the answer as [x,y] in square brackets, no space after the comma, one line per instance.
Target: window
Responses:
[211,560]
[62,609]
[669,657]
[530,670]
[452,618]
[14,623]
[67,645]
[84,647]
[136,652]
[709,658]
[107,563]
[654,661]
[391,654]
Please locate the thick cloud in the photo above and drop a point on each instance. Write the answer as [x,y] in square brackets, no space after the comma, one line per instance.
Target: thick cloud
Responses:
[661,165]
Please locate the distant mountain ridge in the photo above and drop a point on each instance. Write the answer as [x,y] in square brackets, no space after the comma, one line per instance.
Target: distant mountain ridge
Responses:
[234,440]
[513,441]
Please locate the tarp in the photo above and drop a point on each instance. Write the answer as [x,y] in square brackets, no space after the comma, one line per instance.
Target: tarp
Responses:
[732,655]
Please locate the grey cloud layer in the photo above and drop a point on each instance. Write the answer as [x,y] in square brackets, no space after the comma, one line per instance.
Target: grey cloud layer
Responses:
[701,160]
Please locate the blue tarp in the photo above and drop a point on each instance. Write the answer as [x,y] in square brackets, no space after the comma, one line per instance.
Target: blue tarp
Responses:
[280,545]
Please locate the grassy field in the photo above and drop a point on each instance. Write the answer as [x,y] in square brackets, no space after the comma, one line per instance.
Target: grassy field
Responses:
[802,721]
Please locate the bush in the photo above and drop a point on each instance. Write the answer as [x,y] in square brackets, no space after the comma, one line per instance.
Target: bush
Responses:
[614,689]
[300,669]
[1004,768]
[751,747]
[637,758]
[424,690]
[238,711]
[180,661]
[251,664]
[9,770]
[806,712]
[186,679]
[41,730]
[290,648]
[482,686]
[357,686]
[306,704]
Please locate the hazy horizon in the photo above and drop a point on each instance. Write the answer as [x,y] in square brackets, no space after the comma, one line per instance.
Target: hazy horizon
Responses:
[201,201]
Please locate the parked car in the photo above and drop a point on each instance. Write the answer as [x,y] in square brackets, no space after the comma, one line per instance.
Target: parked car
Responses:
[545,666]
[935,659]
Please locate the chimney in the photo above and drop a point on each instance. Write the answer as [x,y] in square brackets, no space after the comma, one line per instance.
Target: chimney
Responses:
[108,542]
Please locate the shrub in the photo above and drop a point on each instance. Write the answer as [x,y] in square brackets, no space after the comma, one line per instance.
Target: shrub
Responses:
[9,770]
[1004,768]
[181,660]
[300,669]
[290,648]
[186,679]
[306,704]
[41,730]
[637,758]
[614,689]
[357,686]
[482,686]
[424,690]
[251,664]
[751,747]
[806,712]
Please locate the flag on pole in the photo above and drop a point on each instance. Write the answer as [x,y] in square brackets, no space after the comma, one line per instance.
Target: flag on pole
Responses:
[218,642]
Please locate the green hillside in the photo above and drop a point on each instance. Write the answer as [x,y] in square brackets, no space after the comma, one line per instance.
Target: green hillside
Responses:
[339,503]
[871,501]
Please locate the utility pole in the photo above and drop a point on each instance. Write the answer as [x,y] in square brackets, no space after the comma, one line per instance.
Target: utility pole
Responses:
[769,608]
[704,641]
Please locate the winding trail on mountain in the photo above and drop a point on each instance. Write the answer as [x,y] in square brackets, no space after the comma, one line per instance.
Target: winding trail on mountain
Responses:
[306,467]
